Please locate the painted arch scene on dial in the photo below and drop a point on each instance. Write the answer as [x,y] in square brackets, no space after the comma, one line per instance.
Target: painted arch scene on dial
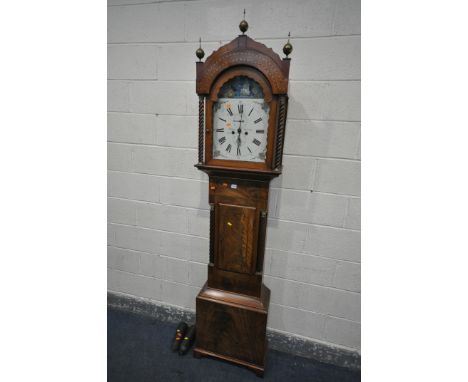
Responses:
[240,122]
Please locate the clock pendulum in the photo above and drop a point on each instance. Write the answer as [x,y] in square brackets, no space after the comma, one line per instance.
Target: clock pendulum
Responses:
[242,89]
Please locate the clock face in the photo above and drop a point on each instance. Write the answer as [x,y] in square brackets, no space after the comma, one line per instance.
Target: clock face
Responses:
[240,122]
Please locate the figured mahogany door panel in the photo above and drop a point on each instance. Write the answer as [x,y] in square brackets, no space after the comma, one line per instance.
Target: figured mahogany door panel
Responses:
[233,331]
[236,230]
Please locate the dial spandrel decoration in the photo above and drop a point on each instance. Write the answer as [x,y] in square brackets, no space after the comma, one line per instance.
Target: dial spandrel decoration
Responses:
[240,121]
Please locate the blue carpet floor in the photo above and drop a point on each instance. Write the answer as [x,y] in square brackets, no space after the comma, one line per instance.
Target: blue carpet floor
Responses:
[138,350]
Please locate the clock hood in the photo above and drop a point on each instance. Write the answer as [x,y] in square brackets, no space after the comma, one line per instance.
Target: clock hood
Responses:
[244,51]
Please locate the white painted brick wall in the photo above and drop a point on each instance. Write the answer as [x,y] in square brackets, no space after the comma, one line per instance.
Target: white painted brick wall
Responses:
[132,62]
[158,202]
[132,128]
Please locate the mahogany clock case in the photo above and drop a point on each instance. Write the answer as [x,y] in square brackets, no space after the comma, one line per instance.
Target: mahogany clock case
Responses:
[232,307]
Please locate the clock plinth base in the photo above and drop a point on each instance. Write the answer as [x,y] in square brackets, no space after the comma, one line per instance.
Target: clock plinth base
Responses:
[232,327]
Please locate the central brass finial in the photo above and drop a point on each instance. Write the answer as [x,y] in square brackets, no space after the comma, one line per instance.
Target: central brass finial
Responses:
[244,25]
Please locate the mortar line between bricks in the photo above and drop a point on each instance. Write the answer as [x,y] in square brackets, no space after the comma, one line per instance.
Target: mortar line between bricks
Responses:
[202,209]
[196,115]
[316,120]
[206,264]
[157,230]
[316,256]
[324,315]
[206,237]
[311,284]
[320,120]
[194,149]
[205,181]
[154,277]
[206,209]
[157,203]
[324,158]
[315,285]
[343,319]
[152,145]
[221,42]
[317,192]
[150,3]
[269,248]
[157,254]
[269,218]
[316,225]
[161,176]
[150,277]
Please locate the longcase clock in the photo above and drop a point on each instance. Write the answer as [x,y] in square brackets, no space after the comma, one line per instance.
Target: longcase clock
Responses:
[242,89]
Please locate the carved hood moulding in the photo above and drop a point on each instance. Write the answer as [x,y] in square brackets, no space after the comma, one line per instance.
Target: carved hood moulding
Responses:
[246,52]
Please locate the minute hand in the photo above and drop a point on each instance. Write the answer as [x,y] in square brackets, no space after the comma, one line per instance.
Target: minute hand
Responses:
[239,131]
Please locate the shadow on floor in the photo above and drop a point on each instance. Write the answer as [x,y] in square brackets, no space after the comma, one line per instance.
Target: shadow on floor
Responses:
[138,350]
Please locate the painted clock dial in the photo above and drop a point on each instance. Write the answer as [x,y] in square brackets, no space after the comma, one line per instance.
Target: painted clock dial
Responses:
[240,122]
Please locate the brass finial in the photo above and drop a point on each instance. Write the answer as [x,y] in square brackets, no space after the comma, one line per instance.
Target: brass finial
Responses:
[200,52]
[244,25]
[288,48]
